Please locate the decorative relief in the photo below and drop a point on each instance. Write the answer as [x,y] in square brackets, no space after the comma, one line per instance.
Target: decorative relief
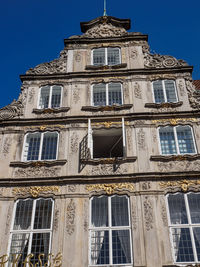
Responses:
[137,91]
[174,121]
[8,219]
[110,188]
[193,95]
[179,166]
[182,184]
[31,96]
[56,66]
[106,169]
[108,124]
[126,90]
[70,217]
[154,77]
[164,106]
[72,188]
[185,157]
[6,146]
[74,142]
[40,171]
[105,30]
[44,127]
[129,138]
[77,57]
[181,87]
[35,191]
[134,54]
[141,139]
[15,109]
[148,213]
[76,94]
[146,186]
[56,219]
[164,213]
[85,215]
[134,216]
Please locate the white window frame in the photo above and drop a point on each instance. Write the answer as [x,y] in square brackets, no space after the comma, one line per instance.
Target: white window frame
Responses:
[24,156]
[164,90]
[110,228]
[50,96]
[176,140]
[106,55]
[107,93]
[30,231]
[189,225]
[90,137]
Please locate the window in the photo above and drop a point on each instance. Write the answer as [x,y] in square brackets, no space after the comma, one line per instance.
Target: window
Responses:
[106,143]
[40,146]
[184,223]
[50,96]
[31,230]
[110,233]
[107,94]
[106,56]
[164,91]
[176,140]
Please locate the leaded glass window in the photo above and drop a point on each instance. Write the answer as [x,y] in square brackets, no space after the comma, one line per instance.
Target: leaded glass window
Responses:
[164,91]
[177,140]
[40,146]
[106,56]
[31,230]
[184,224]
[110,231]
[50,96]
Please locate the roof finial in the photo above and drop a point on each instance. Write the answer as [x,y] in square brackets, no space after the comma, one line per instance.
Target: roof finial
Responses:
[104,13]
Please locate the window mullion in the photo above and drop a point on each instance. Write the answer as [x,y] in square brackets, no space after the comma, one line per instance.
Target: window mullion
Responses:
[50,96]
[106,56]
[176,140]
[107,95]
[164,91]
[110,230]
[41,144]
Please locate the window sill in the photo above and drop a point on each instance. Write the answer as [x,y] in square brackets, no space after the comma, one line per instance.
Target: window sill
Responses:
[106,67]
[106,108]
[108,160]
[166,158]
[38,163]
[50,110]
[164,105]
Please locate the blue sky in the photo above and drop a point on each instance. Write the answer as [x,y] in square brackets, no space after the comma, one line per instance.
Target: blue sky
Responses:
[32,31]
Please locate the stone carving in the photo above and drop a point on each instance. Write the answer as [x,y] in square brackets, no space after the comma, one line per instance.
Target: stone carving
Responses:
[148,213]
[179,166]
[72,188]
[125,90]
[174,121]
[74,142]
[129,138]
[31,96]
[134,54]
[77,57]
[86,208]
[137,91]
[146,186]
[141,139]
[6,146]
[181,87]
[76,94]
[70,219]
[38,171]
[110,188]
[193,95]
[154,77]
[56,220]
[8,220]
[164,213]
[35,191]
[182,184]
[15,109]
[105,30]
[106,169]
[56,66]
[134,216]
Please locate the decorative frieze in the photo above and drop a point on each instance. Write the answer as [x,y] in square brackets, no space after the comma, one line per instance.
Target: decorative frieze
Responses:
[39,171]
[174,121]
[110,188]
[166,158]
[35,191]
[182,165]
[107,169]
[182,184]
[105,30]
[106,108]
[163,105]
[70,217]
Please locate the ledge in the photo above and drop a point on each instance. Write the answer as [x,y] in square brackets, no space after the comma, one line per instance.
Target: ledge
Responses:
[106,67]
[163,105]
[106,108]
[108,160]
[175,157]
[25,164]
[50,110]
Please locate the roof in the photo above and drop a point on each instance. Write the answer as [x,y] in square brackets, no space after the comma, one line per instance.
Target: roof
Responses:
[197,84]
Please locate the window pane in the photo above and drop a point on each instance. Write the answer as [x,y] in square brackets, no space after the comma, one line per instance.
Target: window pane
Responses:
[32,146]
[185,139]
[182,245]
[43,213]
[40,244]
[170,91]
[194,205]
[177,209]
[113,56]
[167,140]
[99,247]
[19,245]
[114,92]
[99,94]
[158,92]
[119,209]
[99,211]
[196,232]
[49,146]
[99,56]
[23,215]
[56,96]
[44,97]
[121,246]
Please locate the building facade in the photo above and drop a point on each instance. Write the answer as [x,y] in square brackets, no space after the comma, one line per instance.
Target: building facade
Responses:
[100,158]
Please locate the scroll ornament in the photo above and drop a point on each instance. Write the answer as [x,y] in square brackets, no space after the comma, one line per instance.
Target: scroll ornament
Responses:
[105,30]
[110,188]
[15,109]
[193,95]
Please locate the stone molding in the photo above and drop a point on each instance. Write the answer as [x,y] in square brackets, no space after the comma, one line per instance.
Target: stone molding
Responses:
[50,110]
[166,158]
[106,67]
[163,105]
[106,108]
[109,160]
[25,164]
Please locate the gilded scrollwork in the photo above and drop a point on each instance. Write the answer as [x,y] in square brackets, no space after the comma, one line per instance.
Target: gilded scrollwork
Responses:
[184,185]
[35,191]
[70,217]
[174,121]
[110,188]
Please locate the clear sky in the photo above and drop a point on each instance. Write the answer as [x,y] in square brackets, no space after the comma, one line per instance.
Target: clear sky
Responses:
[32,31]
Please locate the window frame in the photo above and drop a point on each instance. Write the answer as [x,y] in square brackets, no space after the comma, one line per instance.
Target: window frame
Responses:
[50,96]
[164,90]
[107,94]
[31,231]
[41,145]
[188,225]
[176,140]
[106,56]
[110,228]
